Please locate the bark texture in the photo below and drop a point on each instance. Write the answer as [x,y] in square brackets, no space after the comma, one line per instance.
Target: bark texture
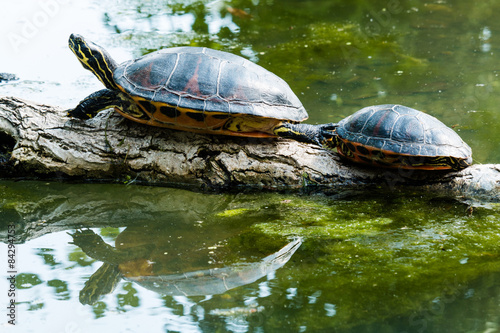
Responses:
[39,141]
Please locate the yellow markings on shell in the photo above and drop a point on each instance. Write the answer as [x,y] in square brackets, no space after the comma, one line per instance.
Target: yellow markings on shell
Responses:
[389,159]
[252,124]
[198,121]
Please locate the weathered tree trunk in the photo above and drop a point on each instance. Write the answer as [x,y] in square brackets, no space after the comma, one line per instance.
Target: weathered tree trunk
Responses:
[41,141]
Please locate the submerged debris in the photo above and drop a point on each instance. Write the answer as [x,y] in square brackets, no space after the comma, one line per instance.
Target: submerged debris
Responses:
[5,77]
[237,311]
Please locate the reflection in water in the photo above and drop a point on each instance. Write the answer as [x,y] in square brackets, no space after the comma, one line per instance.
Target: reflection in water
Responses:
[364,264]
[136,263]
[218,280]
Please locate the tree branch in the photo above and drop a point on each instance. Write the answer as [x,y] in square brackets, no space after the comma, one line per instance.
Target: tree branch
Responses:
[41,141]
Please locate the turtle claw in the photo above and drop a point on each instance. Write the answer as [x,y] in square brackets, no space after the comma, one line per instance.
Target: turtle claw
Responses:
[326,133]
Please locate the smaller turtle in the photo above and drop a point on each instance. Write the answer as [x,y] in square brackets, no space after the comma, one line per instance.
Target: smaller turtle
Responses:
[396,136]
[194,89]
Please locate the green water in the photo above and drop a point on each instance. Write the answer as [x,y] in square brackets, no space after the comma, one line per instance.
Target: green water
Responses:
[377,262]
[397,263]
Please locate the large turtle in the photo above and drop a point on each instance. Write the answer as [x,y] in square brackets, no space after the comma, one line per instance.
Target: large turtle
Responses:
[194,89]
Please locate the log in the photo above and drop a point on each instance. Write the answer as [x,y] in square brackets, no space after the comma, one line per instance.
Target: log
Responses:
[39,141]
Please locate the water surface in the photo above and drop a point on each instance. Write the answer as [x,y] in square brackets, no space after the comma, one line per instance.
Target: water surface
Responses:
[374,262]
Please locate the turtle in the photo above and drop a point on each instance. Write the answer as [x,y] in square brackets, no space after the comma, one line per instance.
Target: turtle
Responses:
[397,136]
[194,89]
[137,262]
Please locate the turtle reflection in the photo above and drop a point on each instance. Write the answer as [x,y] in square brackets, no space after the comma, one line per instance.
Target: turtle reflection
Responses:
[139,262]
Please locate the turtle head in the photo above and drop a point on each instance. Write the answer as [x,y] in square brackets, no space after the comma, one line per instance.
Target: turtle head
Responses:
[94,58]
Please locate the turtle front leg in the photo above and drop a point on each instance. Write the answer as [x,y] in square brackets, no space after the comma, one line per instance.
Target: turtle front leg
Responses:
[96,102]
[315,134]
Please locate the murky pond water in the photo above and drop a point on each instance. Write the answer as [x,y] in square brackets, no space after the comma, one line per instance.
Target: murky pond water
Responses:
[131,259]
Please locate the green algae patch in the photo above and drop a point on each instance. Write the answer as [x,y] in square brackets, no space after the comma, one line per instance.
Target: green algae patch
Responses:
[232,212]
[386,257]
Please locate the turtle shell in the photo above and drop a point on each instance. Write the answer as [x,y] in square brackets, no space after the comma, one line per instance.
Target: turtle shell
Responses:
[398,136]
[194,88]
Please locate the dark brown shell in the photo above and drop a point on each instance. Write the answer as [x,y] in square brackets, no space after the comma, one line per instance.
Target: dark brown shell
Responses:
[402,130]
[205,80]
